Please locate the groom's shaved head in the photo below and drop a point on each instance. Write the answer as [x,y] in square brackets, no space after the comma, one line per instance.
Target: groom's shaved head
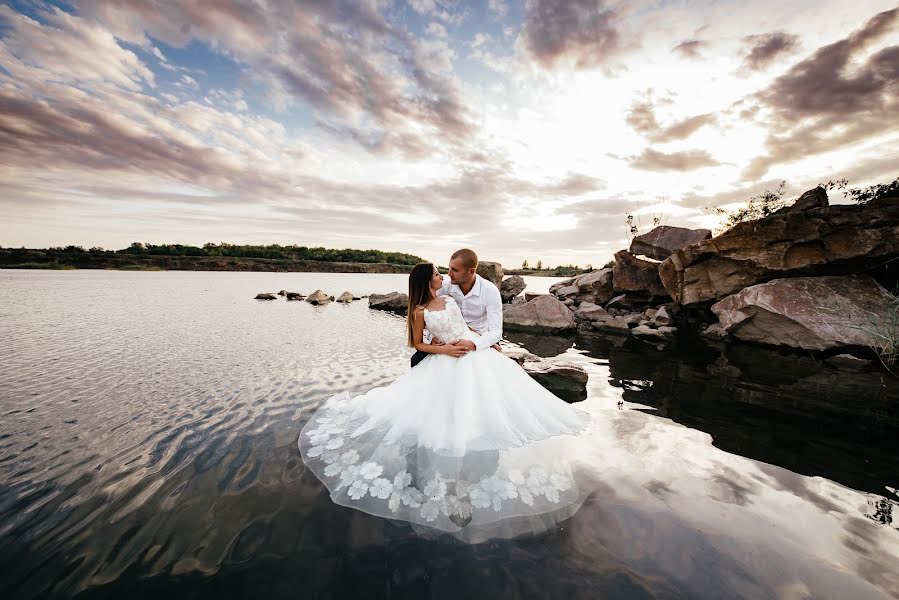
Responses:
[468,258]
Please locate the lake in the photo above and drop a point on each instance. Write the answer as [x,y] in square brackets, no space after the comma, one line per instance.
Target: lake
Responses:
[148,448]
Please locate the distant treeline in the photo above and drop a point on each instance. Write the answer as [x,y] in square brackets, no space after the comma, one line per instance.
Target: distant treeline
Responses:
[272,251]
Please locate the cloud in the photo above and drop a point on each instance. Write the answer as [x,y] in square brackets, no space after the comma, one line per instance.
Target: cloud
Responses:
[687,160]
[341,57]
[498,7]
[690,48]
[584,33]
[641,117]
[765,48]
[72,50]
[825,102]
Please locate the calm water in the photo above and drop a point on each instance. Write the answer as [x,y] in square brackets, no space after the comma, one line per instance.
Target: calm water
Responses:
[148,428]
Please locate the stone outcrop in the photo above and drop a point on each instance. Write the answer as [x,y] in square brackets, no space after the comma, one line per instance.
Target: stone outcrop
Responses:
[397,302]
[812,313]
[511,287]
[808,238]
[544,313]
[638,278]
[492,271]
[318,297]
[663,241]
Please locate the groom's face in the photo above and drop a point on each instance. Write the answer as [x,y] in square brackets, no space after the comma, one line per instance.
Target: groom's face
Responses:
[458,273]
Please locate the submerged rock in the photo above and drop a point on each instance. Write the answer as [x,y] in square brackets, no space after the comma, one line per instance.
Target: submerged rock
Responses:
[544,313]
[265,296]
[397,302]
[345,297]
[318,297]
[813,313]
[294,295]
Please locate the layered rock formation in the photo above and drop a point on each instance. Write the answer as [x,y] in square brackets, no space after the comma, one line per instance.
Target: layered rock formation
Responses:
[807,239]
[813,313]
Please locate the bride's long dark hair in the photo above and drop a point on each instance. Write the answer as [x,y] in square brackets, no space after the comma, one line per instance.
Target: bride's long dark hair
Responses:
[419,293]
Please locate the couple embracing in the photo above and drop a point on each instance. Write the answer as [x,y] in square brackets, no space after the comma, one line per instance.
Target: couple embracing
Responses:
[463,440]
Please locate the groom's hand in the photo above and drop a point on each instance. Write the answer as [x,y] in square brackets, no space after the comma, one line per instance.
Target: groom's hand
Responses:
[496,347]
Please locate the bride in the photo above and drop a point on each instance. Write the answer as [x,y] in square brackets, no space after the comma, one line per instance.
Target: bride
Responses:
[466,442]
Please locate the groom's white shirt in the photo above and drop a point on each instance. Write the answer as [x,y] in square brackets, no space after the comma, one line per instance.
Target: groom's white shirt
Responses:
[482,308]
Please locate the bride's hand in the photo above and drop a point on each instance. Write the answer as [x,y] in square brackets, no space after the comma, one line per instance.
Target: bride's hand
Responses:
[454,351]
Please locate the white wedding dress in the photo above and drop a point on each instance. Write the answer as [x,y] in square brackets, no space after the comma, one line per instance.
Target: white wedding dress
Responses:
[472,446]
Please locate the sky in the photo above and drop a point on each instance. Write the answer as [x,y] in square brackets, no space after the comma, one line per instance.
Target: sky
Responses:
[521,130]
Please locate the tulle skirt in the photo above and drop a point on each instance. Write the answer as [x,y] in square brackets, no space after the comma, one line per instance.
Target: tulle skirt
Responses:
[471,446]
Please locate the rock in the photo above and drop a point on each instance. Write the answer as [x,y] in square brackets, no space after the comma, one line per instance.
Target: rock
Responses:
[813,313]
[589,311]
[528,296]
[492,271]
[848,362]
[612,325]
[265,296]
[647,332]
[569,302]
[511,287]
[543,313]
[811,240]
[595,286]
[345,297]
[632,320]
[638,277]
[397,302]
[556,375]
[318,297]
[282,292]
[650,313]
[520,355]
[518,300]
[816,198]
[663,241]
[294,295]
[560,284]
[661,316]
[667,330]
[714,331]
[618,302]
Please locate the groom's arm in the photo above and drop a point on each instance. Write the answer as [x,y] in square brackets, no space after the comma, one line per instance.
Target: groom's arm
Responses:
[494,331]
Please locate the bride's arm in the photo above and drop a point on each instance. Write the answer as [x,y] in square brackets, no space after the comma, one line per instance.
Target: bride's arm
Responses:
[418,320]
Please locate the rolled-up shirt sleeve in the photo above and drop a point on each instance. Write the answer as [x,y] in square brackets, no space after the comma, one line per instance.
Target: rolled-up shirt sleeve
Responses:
[494,332]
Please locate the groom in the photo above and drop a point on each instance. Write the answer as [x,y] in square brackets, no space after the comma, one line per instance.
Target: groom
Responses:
[479,299]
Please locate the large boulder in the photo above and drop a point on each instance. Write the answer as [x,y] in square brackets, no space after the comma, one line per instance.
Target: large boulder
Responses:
[639,278]
[808,238]
[543,313]
[595,287]
[813,313]
[492,271]
[511,287]
[663,241]
[397,302]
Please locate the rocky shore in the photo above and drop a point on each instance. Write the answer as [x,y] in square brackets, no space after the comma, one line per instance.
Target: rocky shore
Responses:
[811,278]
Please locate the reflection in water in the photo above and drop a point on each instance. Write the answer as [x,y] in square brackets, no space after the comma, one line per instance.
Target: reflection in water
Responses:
[148,426]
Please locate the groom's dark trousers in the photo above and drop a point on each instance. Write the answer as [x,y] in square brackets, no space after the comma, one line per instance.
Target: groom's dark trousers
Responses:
[417,357]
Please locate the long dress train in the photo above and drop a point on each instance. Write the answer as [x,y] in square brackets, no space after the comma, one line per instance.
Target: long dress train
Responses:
[472,446]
